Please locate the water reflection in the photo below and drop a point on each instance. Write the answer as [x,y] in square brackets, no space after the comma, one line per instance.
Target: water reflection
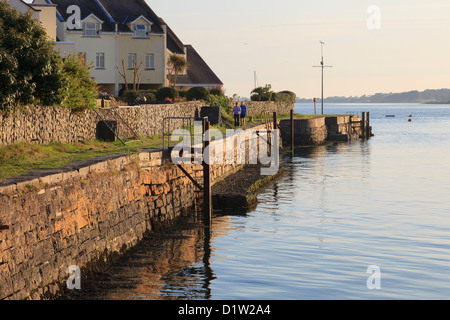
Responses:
[169,264]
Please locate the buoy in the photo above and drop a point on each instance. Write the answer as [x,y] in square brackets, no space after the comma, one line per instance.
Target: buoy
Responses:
[409,120]
[410,116]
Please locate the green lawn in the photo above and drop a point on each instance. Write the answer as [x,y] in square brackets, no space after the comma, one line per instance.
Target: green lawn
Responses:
[20,158]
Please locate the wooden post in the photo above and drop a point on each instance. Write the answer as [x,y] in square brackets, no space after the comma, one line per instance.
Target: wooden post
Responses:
[368,125]
[363,125]
[207,206]
[292,131]
[275,122]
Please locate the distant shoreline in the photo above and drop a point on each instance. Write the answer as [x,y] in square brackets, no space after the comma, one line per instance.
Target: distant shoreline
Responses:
[356,102]
[437,96]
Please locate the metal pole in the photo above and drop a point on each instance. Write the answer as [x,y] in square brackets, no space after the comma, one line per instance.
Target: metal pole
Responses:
[322,86]
[322,66]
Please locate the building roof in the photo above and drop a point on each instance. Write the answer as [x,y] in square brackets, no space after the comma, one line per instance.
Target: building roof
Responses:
[27,5]
[124,11]
[111,12]
[198,71]
[174,44]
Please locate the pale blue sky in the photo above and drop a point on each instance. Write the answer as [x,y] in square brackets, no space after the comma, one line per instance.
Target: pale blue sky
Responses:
[280,40]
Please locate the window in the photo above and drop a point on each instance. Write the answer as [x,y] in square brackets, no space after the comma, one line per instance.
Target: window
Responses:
[150,61]
[141,31]
[91,29]
[82,57]
[100,60]
[131,59]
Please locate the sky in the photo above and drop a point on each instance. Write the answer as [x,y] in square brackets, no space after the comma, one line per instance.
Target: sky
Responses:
[372,46]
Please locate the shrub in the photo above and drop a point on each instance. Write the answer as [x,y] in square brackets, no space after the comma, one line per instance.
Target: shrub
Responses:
[166,92]
[197,93]
[287,97]
[257,97]
[80,91]
[216,92]
[130,96]
[182,93]
[150,97]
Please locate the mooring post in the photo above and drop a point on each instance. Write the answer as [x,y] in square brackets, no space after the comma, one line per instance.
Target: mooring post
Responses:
[275,122]
[363,125]
[292,131]
[368,125]
[207,205]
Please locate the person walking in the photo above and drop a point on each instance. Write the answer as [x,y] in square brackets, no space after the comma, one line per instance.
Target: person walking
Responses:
[243,113]
[237,114]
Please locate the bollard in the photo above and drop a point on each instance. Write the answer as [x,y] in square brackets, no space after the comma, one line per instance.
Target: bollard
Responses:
[275,122]
[292,131]
[363,125]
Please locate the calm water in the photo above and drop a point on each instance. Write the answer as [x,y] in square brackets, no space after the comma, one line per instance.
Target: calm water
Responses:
[340,209]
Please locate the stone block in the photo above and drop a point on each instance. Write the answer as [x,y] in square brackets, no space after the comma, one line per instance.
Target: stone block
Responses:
[156,155]
[8,189]
[70,175]
[98,167]
[28,185]
[144,156]
[83,172]
[51,179]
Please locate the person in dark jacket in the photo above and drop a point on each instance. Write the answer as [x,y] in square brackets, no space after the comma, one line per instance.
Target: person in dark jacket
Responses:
[237,114]
[243,113]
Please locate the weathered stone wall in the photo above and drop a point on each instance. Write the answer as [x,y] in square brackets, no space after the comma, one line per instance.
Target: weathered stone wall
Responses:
[254,108]
[318,130]
[50,124]
[306,131]
[87,215]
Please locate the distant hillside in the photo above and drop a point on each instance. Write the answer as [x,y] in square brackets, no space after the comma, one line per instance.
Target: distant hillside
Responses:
[427,96]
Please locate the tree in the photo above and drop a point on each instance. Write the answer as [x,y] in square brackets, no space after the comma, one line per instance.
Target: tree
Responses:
[262,93]
[123,73]
[79,93]
[136,75]
[177,65]
[30,68]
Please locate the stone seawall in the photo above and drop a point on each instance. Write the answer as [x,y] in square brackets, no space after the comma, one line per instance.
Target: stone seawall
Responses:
[318,130]
[86,216]
[254,108]
[83,217]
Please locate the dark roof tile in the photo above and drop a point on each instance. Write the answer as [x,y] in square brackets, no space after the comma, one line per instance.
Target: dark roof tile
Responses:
[111,12]
[198,71]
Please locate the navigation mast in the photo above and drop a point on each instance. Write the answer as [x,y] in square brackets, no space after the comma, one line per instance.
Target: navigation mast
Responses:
[322,65]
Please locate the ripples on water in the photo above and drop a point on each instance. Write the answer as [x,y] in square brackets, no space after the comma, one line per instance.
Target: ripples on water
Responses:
[340,209]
